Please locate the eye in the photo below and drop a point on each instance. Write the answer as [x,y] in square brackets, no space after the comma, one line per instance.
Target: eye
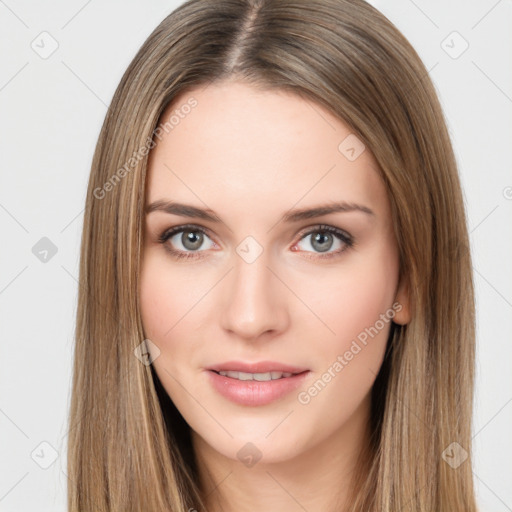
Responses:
[188,239]
[323,238]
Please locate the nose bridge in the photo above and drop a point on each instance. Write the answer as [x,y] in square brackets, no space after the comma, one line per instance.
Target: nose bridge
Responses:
[254,303]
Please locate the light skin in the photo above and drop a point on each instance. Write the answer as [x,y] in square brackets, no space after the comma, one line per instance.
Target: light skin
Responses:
[252,156]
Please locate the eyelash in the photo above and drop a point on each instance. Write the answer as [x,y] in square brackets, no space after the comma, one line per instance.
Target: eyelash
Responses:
[347,239]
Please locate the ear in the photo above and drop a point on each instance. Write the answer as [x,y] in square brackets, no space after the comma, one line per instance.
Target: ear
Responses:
[402,301]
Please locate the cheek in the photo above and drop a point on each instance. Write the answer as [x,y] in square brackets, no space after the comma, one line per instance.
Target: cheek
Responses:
[352,297]
[162,304]
[359,311]
[365,296]
[155,302]
[172,302]
[166,296]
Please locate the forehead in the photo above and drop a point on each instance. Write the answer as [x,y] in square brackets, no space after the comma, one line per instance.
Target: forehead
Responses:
[242,146]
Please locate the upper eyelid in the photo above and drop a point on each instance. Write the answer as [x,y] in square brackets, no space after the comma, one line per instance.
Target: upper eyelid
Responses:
[182,227]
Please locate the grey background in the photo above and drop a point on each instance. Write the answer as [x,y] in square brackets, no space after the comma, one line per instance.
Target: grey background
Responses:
[51,113]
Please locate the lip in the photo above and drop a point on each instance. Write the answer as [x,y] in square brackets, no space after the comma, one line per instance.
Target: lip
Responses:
[258,367]
[255,393]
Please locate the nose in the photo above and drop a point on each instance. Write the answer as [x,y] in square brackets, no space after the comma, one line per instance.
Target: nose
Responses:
[255,300]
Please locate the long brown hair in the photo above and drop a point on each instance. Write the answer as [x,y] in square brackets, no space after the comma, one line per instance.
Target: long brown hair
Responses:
[129,449]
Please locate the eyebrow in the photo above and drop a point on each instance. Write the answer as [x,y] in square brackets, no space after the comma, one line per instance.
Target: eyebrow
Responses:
[185,210]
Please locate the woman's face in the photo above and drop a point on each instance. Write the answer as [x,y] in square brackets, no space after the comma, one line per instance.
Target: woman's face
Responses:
[263,283]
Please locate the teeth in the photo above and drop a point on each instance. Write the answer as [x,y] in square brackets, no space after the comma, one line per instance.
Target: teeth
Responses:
[256,376]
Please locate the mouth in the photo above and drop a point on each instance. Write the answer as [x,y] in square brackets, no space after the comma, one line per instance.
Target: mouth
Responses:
[255,384]
[261,377]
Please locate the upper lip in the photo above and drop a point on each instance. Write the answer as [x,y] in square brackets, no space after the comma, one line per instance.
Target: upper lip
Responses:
[258,367]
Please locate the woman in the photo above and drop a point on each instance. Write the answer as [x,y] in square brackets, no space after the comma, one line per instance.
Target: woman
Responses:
[222,361]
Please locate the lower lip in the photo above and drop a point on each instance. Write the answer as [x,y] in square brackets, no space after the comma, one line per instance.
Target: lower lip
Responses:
[254,392]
